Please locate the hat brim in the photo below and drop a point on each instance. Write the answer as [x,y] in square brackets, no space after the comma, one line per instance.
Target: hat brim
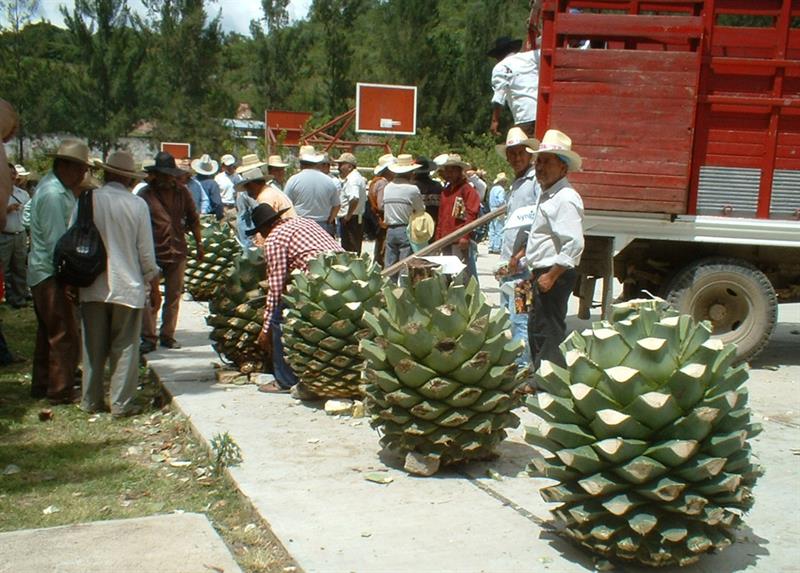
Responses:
[400,169]
[573,160]
[123,172]
[71,158]
[240,185]
[196,167]
[505,48]
[268,223]
[460,164]
[278,165]
[173,171]
[22,173]
[530,144]
[315,158]
[243,168]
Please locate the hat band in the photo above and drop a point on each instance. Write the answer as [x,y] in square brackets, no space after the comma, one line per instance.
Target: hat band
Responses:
[551,147]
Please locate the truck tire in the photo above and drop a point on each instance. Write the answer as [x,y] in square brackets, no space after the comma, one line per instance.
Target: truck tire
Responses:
[733,295]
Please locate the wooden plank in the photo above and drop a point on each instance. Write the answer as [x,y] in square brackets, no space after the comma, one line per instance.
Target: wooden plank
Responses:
[667,182]
[665,92]
[731,161]
[639,60]
[639,206]
[736,136]
[633,164]
[741,149]
[589,188]
[674,29]
[742,39]
[643,153]
[628,77]
[587,135]
[792,163]
[655,105]
[640,124]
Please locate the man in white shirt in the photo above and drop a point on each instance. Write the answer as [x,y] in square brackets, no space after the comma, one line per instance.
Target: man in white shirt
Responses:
[227,178]
[14,243]
[353,199]
[515,82]
[554,247]
[313,193]
[113,305]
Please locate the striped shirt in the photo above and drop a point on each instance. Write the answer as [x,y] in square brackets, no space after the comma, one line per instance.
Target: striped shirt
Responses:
[289,246]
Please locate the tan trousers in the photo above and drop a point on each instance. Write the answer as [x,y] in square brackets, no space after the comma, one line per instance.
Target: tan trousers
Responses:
[57,351]
[110,334]
[173,289]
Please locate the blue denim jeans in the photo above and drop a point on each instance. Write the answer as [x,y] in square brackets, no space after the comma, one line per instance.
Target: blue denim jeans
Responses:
[397,247]
[519,321]
[282,372]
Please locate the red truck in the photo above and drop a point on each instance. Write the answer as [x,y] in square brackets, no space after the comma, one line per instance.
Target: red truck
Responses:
[687,115]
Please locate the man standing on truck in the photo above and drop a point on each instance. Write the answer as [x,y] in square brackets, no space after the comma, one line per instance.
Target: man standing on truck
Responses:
[522,201]
[515,82]
[554,247]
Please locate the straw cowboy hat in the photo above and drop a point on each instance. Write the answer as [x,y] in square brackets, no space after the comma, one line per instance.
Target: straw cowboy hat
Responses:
[264,216]
[165,163]
[384,161]
[420,227]
[439,160]
[253,174]
[121,163]
[276,161]
[347,158]
[21,171]
[454,160]
[558,143]
[404,164]
[308,154]
[205,165]
[500,178]
[227,160]
[250,162]
[73,150]
[516,136]
[503,46]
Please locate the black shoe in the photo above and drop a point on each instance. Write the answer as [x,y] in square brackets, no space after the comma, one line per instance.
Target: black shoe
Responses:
[146,346]
[170,344]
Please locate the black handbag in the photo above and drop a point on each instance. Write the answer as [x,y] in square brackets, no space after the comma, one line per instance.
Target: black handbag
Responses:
[80,255]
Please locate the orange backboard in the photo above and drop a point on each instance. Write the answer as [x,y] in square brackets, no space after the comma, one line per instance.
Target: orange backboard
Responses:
[177,150]
[386,109]
[291,122]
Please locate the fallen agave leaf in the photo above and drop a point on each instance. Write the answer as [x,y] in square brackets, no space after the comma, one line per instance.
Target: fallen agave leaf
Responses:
[50,509]
[379,477]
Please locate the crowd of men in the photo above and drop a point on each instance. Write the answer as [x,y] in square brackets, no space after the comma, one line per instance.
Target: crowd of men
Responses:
[143,217]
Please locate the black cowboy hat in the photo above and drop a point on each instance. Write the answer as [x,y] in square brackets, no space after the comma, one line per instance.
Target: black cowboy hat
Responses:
[504,46]
[425,165]
[264,216]
[165,163]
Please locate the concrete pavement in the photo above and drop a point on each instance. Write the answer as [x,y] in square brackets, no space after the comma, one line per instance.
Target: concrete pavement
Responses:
[305,473]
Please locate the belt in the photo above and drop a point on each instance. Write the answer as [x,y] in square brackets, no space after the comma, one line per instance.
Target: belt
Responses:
[12,234]
[397,225]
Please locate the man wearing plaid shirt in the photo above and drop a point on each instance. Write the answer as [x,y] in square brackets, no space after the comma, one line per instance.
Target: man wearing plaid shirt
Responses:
[289,245]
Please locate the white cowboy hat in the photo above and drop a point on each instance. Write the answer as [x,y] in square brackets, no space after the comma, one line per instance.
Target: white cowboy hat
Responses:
[440,159]
[558,143]
[404,164]
[384,161]
[253,174]
[500,178]
[516,136]
[73,150]
[250,162]
[454,160]
[308,154]
[227,160]
[276,161]
[121,163]
[21,171]
[347,158]
[205,165]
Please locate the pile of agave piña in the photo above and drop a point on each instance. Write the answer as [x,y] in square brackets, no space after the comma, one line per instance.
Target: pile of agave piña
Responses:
[647,432]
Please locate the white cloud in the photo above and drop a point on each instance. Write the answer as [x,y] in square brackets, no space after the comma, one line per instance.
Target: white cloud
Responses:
[236,14]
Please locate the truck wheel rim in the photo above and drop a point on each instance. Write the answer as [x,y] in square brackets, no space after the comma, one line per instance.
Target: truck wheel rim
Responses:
[727,306]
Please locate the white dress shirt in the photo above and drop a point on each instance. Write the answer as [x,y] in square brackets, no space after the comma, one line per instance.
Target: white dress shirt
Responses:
[353,187]
[515,81]
[14,218]
[556,236]
[123,220]
[227,191]
[478,184]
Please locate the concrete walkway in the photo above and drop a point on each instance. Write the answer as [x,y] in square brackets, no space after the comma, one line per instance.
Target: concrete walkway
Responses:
[175,543]
[305,473]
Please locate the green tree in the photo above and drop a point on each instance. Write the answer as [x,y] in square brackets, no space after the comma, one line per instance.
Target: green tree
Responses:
[18,83]
[103,93]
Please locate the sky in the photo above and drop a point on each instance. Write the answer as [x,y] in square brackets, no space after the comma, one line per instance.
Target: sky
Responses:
[236,14]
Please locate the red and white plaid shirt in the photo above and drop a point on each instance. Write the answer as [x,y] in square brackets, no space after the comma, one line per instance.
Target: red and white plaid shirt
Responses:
[290,245]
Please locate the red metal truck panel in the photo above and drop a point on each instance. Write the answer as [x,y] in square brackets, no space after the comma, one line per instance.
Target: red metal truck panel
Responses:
[671,90]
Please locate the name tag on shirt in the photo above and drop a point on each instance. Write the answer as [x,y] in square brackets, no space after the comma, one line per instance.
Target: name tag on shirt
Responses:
[522,217]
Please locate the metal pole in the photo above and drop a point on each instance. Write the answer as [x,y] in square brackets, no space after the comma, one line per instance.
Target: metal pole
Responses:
[446,240]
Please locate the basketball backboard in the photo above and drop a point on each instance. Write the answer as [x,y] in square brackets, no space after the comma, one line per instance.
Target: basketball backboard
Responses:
[386,109]
[177,150]
[292,123]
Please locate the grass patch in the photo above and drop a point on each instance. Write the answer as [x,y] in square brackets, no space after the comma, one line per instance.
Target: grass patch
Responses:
[76,468]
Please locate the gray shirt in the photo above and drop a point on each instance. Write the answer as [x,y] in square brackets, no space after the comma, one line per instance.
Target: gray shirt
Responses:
[557,232]
[519,216]
[313,193]
[399,201]
[14,218]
